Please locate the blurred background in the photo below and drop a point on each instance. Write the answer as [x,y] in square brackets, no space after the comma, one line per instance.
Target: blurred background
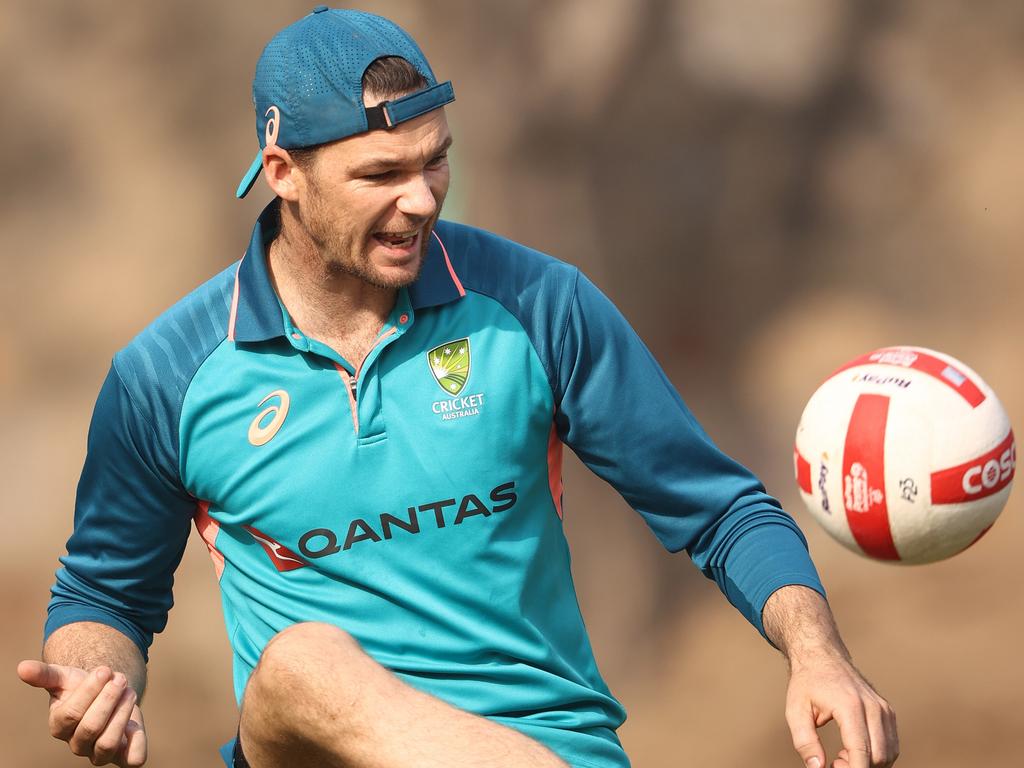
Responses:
[767,188]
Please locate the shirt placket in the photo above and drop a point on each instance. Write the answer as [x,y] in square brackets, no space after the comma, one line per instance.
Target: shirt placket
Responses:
[360,384]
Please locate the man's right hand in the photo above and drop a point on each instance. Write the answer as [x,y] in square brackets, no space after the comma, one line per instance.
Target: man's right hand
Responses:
[94,711]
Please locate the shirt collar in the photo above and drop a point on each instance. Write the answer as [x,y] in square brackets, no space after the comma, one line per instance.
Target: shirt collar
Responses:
[256,311]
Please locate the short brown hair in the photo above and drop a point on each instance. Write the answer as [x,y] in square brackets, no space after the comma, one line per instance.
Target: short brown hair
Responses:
[392,76]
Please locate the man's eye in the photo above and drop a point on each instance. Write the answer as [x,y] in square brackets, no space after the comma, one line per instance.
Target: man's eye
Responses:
[382,176]
[438,161]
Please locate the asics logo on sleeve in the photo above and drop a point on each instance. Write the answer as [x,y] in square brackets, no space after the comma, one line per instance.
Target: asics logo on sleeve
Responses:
[261,433]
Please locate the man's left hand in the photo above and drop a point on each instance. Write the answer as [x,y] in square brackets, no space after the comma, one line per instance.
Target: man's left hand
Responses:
[824,689]
[824,685]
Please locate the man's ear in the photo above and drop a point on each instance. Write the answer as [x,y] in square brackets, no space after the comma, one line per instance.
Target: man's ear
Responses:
[283,176]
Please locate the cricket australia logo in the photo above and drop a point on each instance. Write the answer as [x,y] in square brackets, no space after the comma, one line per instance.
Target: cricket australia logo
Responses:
[450,365]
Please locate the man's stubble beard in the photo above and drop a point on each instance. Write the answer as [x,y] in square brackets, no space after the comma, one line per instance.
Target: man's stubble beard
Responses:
[341,259]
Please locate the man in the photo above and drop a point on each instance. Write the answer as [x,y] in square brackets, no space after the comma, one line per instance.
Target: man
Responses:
[365,419]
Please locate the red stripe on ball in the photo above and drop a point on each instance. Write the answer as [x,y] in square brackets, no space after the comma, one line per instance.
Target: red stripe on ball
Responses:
[867,512]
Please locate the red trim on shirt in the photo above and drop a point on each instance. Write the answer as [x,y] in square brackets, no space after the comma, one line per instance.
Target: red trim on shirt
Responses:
[451,269]
[555,469]
[233,316]
[208,529]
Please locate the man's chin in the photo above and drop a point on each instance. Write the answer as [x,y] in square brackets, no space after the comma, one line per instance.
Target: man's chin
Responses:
[379,272]
[394,273]
[397,277]
[394,268]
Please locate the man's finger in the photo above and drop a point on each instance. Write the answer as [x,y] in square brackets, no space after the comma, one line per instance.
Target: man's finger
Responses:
[39,674]
[853,729]
[882,748]
[65,715]
[805,736]
[134,753]
[96,717]
[891,735]
[893,731]
[112,740]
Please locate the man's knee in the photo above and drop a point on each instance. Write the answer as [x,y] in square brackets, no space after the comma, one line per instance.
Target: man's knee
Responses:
[289,701]
[299,663]
[301,652]
[293,684]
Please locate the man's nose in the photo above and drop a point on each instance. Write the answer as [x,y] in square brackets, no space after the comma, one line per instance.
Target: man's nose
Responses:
[416,197]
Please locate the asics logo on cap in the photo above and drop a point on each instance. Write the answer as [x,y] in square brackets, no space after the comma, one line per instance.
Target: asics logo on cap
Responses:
[273,116]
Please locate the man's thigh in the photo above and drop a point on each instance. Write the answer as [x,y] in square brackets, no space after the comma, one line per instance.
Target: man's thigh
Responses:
[317,698]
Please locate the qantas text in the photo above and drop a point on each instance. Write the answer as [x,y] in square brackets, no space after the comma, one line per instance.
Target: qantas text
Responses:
[321,542]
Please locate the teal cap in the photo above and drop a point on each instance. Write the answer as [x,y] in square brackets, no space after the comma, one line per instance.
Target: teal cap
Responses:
[308,87]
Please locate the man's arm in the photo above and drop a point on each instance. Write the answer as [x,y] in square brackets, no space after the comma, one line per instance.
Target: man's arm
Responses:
[132,518]
[696,498]
[824,685]
[95,677]
[88,645]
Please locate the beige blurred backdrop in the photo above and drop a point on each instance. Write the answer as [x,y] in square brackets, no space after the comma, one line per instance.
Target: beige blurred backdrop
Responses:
[767,188]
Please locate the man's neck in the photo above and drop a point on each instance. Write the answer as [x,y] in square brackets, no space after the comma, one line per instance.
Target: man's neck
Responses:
[323,303]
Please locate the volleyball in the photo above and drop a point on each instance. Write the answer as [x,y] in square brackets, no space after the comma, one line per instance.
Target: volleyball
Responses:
[905,455]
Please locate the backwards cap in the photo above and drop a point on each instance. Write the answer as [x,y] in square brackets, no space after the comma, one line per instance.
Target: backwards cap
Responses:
[308,87]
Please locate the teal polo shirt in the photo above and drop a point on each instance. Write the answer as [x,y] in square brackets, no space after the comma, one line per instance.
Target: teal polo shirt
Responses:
[413,498]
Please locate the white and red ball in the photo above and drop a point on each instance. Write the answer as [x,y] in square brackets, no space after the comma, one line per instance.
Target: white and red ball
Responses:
[905,455]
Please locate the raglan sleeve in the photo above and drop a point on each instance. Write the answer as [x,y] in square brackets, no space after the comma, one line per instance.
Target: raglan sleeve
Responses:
[131,522]
[617,410]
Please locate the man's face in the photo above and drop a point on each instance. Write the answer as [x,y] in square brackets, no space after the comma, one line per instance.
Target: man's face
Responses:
[370,201]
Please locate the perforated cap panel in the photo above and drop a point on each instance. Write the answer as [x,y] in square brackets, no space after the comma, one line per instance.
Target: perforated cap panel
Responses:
[312,72]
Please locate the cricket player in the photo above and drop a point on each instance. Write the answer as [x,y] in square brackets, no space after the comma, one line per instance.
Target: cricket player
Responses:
[364,419]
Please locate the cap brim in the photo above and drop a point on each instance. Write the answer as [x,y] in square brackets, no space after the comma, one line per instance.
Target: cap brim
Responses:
[250,176]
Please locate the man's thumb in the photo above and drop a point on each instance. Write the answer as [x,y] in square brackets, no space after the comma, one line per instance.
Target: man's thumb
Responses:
[39,674]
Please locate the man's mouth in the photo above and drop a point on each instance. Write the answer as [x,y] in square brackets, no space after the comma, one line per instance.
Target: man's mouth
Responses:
[398,240]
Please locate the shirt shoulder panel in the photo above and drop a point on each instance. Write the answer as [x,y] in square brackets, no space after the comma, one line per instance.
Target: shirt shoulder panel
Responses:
[157,366]
[132,513]
[535,288]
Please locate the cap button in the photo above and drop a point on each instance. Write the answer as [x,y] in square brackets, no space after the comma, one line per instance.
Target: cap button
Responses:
[321,9]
